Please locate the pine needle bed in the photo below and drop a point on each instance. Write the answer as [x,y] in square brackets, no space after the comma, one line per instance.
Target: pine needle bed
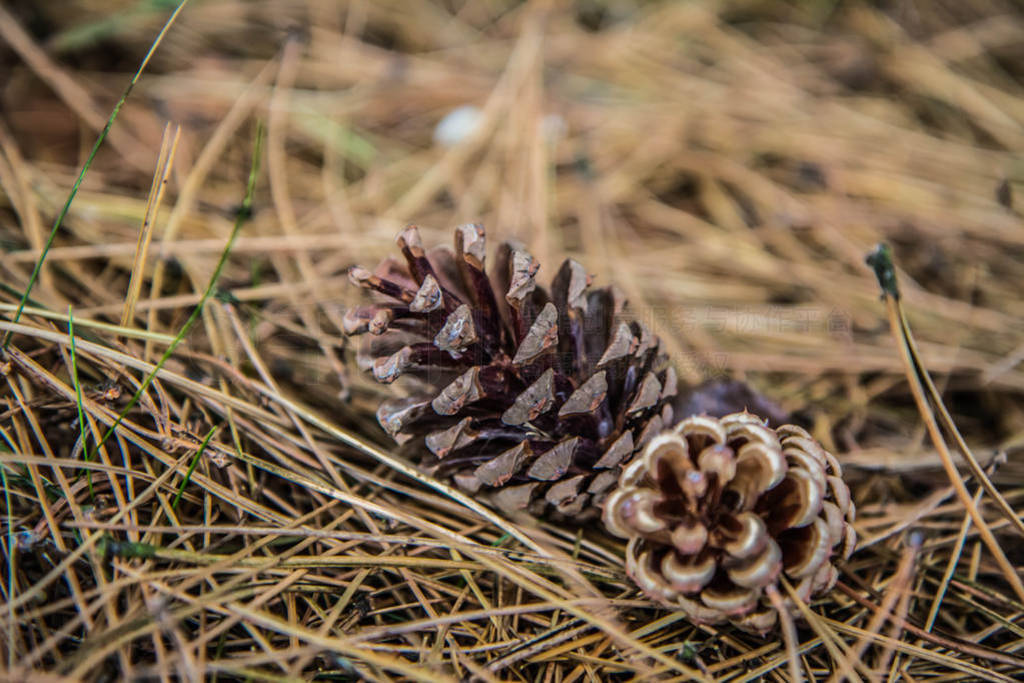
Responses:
[194,483]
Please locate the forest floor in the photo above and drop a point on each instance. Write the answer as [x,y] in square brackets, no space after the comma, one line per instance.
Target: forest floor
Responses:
[194,482]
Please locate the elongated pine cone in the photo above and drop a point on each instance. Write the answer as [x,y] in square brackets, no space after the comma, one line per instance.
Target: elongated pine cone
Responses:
[716,509]
[529,397]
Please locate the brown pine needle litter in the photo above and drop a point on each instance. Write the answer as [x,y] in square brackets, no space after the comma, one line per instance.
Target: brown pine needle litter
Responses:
[727,165]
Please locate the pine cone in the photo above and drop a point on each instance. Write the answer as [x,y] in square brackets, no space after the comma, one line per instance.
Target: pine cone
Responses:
[716,509]
[531,398]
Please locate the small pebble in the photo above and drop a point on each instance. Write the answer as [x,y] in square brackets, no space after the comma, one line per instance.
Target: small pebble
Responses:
[457,125]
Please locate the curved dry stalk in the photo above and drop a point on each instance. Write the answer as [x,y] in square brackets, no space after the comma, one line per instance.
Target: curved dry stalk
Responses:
[897,322]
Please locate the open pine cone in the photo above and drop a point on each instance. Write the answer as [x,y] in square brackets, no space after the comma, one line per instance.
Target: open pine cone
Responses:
[716,509]
[532,398]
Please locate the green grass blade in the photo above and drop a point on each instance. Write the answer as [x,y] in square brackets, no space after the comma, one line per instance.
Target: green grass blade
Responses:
[85,167]
[192,467]
[78,398]
[243,214]
[10,566]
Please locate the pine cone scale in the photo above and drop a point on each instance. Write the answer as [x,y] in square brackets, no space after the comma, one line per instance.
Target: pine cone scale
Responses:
[587,398]
[619,450]
[532,402]
[553,464]
[759,570]
[540,338]
[498,470]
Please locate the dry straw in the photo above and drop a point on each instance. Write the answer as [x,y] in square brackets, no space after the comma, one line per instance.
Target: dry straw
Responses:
[727,165]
